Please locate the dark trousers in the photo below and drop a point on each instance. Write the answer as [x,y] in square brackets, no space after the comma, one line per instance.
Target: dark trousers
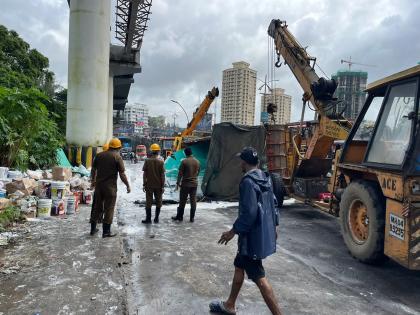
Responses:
[103,204]
[157,192]
[183,197]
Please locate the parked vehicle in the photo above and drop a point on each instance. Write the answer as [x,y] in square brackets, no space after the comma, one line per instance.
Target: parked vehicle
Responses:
[141,152]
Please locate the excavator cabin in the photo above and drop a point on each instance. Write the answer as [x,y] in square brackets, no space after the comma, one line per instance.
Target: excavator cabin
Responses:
[378,173]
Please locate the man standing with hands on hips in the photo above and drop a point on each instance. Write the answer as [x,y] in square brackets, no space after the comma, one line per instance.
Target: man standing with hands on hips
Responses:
[256,229]
[188,180]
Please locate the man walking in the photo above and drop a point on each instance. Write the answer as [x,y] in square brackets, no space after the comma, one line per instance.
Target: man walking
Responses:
[256,229]
[105,169]
[153,183]
[188,180]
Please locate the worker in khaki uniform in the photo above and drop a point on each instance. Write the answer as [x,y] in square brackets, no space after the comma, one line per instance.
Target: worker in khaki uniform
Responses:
[106,167]
[153,183]
[188,180]
[105,147]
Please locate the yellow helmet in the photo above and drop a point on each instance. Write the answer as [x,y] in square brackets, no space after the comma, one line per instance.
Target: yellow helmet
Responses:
[105,147]
[115,143]
[155,147]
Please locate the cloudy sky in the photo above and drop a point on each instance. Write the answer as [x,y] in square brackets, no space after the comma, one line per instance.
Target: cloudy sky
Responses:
[190,42]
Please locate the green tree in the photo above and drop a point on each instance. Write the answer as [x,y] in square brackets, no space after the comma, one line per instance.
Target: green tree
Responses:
[29,137]
[58,106]
[157,122]
[32,107]
[21,66]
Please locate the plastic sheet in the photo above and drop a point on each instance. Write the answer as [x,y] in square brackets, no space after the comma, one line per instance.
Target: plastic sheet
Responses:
[200,151]
[223,172]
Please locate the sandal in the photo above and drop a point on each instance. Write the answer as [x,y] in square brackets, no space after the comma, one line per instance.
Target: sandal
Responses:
[219,307]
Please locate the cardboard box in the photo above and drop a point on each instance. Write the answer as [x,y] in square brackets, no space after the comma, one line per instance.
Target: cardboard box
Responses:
[4,202]
[61,173]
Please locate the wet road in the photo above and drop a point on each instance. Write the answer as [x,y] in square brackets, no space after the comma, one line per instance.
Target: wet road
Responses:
[178,268]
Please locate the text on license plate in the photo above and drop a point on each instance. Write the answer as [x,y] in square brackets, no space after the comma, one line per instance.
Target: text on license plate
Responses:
[396,226]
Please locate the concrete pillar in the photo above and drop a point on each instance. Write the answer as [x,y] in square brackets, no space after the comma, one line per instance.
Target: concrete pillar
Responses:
[110,107]
[88,72]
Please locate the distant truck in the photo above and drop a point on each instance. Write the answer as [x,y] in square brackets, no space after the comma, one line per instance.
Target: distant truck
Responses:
[141,152]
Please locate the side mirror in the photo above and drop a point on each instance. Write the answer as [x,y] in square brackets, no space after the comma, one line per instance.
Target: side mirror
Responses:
[411,115]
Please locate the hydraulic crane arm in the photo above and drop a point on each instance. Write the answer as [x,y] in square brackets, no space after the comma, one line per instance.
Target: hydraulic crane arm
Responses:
[197,117]
[319,91]
[201,112]
[296,57]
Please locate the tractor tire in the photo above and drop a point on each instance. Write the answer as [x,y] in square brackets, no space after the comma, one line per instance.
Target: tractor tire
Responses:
[362,216]
[278,188]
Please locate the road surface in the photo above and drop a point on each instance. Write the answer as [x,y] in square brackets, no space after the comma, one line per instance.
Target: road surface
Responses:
[178,268]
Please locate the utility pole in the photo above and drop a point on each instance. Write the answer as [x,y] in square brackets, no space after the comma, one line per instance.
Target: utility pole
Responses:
[174,116]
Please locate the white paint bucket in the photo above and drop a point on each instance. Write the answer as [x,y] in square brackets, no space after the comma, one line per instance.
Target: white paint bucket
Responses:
[44,188]
[14,174]
[3,172]
[71,205]
[88,196]
[58,190]
[44,208]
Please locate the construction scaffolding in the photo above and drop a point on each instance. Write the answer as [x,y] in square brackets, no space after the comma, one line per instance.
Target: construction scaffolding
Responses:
[131,22]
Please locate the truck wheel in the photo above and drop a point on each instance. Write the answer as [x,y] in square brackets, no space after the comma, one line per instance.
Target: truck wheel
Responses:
[363,221]
[278,188]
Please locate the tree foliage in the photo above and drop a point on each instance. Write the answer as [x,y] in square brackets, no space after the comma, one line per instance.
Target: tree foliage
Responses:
[32,108]
[29,137]
[157,122]
[21,66]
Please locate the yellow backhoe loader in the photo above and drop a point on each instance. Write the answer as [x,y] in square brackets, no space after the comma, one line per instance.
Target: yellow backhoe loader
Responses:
[374,179]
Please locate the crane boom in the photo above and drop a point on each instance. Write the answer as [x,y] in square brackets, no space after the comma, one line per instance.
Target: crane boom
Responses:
[197,117]
[319,91]
[201,111]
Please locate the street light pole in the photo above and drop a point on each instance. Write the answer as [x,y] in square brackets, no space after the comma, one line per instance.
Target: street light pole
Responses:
[186,115]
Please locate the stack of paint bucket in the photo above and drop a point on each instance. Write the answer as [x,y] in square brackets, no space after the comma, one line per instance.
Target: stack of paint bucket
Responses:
[88,197]
[44,208]
[71,204]
[58,196]
[44,188]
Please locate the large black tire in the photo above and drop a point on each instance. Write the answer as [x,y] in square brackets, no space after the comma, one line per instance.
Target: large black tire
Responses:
[370,248]
[278,188]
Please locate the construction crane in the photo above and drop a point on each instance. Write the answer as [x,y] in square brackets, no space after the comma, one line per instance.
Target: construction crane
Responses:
[197,117]
[350,63]
[318,91]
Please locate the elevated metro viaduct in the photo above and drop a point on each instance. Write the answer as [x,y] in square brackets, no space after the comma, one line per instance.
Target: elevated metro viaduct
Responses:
[100,74]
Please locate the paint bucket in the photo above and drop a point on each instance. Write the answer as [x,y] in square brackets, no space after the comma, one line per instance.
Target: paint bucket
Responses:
[14,174]
[44,188]
[71,205]
[44,208]
[58,207]
[58,190]
[88,196]
[3,172]
[79,197]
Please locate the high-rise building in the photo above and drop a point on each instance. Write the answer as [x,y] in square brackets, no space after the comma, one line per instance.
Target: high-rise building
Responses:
[238,94]
[138,116]
[350,90]
[283,103]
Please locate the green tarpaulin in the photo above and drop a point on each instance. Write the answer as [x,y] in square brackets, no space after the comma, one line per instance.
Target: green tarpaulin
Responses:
[200,150]
[62,159]
[223,172]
